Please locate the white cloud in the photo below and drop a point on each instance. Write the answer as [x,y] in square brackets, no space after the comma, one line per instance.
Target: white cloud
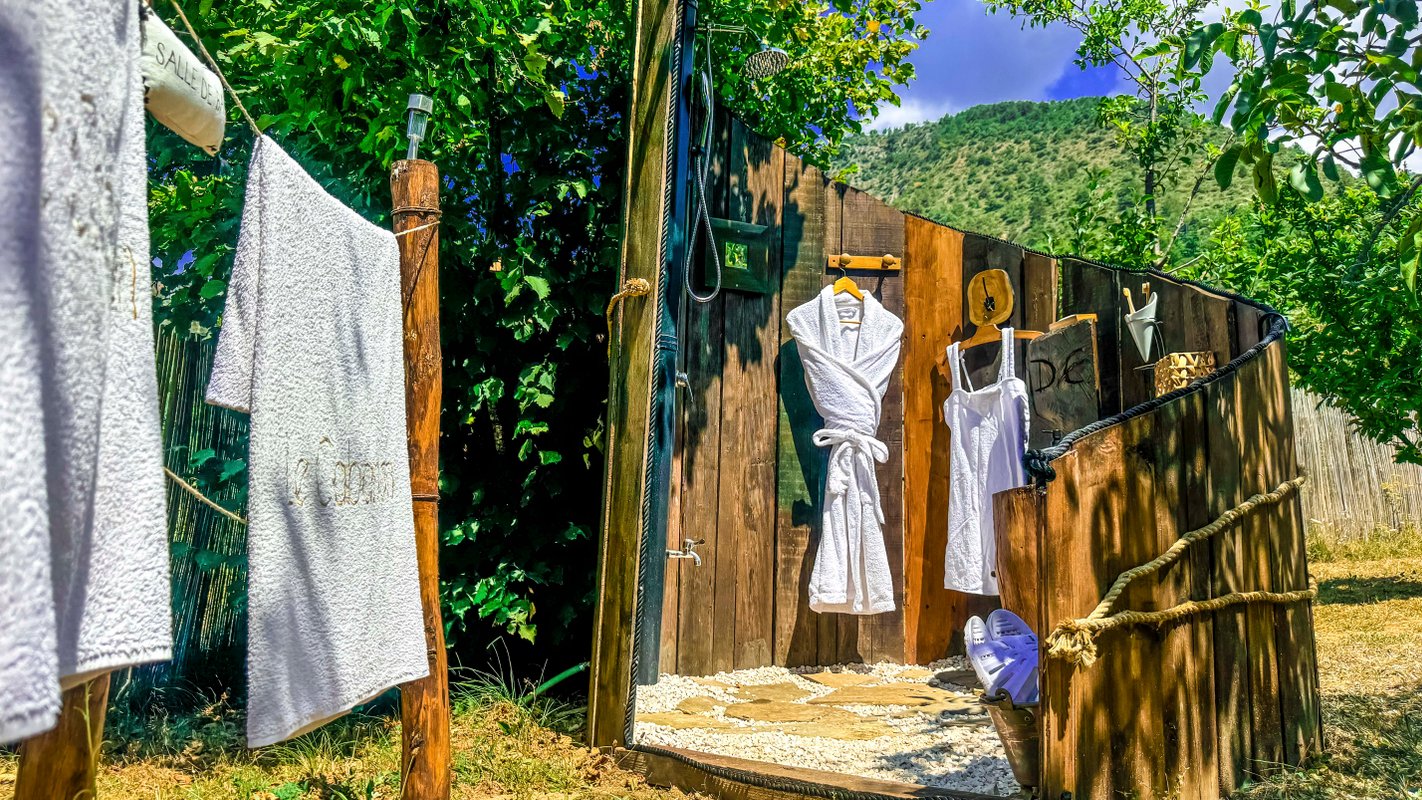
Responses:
[911,110]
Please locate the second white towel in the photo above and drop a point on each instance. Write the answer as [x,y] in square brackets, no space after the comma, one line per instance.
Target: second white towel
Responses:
[311,347]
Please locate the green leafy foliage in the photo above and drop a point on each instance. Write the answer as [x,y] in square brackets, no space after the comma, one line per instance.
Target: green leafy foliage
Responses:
[1338,78]
[528,134]
[1356,336]
[1018,170]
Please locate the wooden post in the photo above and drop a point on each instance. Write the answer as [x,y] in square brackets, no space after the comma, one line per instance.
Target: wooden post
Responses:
[62,763]
[424,704]
[630,386]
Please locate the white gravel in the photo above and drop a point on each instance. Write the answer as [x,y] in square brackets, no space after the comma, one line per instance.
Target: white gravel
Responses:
[949,750]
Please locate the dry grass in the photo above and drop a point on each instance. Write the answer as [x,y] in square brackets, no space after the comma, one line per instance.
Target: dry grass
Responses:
[1368,621]
[505,746]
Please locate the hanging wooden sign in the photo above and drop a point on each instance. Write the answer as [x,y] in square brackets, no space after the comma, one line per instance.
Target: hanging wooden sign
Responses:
[1062,381]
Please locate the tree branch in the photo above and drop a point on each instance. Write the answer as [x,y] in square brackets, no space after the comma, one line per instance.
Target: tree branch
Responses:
[1189,201]
[1367,251]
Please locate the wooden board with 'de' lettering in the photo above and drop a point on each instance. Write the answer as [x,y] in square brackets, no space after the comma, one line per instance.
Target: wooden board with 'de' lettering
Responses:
[1063,382]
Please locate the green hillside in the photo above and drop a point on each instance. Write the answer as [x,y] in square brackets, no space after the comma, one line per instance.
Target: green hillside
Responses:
[1017,170]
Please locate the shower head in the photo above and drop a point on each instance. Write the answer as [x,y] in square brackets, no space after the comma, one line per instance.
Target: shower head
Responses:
[765,62]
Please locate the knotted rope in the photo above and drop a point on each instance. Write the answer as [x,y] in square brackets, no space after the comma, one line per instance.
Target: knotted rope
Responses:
[633,287]
[1075,640]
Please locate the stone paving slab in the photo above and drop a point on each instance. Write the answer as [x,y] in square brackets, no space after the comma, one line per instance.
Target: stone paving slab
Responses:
[861,731]
[679,721]
[888,694]
[786,692]
[699,705]
[838,680]
[781,711]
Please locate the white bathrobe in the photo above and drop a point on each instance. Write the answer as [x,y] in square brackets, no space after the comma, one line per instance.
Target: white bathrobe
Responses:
[847,370]
[83,549]
[311,346]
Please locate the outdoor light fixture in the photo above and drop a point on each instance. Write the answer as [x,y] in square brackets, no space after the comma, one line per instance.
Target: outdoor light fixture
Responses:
[419,107]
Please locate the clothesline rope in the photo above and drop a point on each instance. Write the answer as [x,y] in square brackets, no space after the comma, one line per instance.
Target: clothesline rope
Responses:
[1075,640]
[193,490]
[212,62]
[408,231]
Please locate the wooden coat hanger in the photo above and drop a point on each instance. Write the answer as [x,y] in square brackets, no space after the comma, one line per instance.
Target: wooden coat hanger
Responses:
[847,284]
[990,302]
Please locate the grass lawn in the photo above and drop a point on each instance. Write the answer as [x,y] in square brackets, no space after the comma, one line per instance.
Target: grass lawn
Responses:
[504,747]
[1368,619]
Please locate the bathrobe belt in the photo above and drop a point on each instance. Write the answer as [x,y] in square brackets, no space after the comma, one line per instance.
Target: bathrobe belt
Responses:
[849,445]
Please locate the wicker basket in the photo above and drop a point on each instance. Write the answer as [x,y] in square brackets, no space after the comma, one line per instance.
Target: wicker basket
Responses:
[1178,370]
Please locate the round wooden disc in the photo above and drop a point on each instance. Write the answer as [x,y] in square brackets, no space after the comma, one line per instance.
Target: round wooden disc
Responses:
[990,298]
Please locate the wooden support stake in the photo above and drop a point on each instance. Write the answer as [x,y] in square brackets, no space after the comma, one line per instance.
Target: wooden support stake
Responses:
[62,763]
[424,704]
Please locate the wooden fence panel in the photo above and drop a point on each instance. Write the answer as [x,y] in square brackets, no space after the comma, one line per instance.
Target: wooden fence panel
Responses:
[1038,293]
[1257,554]
[1293,624]
[830,634]
[871,227]
[209,549]
[748,402]
[1187,650]
[933,317]
[1082,505]
[1241,697]
[704,623]
[1234,733]
[1089,289]
[799,469]
[1355,488]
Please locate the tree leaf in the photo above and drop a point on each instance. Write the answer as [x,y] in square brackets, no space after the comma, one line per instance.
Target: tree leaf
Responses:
[539,286]
[1264,183]
[1224,166]
[1304,178]
[1330,167]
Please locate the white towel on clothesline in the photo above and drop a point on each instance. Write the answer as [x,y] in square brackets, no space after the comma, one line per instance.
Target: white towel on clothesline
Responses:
[847,370]
[76,289]
[29,662]
[311,346]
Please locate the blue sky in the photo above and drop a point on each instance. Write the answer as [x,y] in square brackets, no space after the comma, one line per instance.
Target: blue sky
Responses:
[973,57]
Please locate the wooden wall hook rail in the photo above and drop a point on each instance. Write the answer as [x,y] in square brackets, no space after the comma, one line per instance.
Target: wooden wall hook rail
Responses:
[846,261]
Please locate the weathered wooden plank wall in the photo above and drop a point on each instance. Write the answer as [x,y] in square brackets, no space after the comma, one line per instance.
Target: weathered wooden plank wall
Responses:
[871,227]
[748,604]
[812,216]
[750,479]
[1241,700]
[933,288]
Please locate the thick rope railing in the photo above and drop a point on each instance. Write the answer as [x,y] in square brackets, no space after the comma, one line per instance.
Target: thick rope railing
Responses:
[1075,640]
